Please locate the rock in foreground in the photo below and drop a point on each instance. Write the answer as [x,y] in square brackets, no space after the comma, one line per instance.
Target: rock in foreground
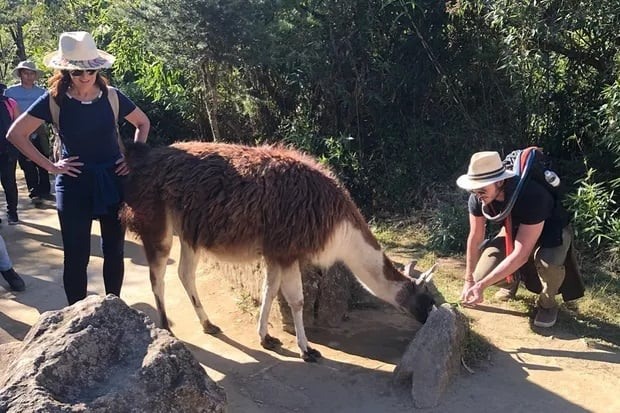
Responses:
[99,355]
[433,357]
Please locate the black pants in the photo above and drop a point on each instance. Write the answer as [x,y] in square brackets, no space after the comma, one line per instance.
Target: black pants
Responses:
[74,202]
[37,178]
[8,161]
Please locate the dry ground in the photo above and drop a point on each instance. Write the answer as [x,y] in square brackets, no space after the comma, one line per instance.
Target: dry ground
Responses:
[527,370]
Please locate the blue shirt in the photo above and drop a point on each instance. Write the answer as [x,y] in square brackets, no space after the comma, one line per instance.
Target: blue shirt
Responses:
[24,96]
[88,130]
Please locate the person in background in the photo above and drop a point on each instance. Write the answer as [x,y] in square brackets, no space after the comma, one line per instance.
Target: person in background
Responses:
[25,93]
[6,269]
[91,166]
[8,155]
[541,242]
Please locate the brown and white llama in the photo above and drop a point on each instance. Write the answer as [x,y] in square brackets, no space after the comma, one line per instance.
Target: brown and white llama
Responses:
[240,203]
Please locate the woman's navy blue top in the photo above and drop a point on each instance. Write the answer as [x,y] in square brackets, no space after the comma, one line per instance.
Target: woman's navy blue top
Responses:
[88,130]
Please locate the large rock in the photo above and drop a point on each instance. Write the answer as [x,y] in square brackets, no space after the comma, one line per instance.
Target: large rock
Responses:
[328,295]
[433,357]
[99,355]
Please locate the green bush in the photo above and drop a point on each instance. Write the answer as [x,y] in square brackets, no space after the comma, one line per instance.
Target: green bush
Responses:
[449,227]
[596,219]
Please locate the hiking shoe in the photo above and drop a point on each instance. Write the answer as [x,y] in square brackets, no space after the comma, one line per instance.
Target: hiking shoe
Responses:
[14,280]
[36,200]
[546,317]
[13,218]
[48,197]
[506,294]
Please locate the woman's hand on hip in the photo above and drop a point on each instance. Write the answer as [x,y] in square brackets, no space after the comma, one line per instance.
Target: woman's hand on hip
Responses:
[122,167]
[68,166]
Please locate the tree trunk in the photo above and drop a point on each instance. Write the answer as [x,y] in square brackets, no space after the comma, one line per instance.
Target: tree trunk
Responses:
[210,99]
[17,34]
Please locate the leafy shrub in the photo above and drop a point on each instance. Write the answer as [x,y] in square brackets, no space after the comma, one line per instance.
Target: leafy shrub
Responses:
[449,228]
[595,218]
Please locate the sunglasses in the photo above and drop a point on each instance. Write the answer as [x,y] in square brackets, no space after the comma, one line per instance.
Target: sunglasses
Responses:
[78,73]
[478,191]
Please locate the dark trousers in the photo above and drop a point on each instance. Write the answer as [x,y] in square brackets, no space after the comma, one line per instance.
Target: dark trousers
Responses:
[37,178]
[8,160]
[75,215]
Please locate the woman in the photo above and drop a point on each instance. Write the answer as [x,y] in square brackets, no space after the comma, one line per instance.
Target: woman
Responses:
[91,165]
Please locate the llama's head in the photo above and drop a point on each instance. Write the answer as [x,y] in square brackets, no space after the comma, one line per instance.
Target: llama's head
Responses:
[415,296]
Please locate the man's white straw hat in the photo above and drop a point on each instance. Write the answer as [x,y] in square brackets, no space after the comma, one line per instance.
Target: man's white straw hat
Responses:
[484,169]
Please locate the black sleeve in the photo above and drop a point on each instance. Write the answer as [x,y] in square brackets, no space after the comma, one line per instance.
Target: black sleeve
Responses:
[474,206]
[534,205]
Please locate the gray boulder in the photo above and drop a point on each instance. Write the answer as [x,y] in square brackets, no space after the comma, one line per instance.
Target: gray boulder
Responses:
[433,357]
[328,294]
[99,355]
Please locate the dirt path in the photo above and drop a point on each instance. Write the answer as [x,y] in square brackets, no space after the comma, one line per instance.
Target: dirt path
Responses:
[526,372]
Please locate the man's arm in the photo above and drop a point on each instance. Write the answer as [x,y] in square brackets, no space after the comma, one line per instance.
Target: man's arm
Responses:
[526,239]
[474,239]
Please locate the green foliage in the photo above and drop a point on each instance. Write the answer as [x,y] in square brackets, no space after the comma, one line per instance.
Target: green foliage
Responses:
[394,95]
[596,217]
[610,115]
[449,227]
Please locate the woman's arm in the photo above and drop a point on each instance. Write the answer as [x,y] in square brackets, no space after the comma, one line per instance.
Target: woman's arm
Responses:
[19,135]
[142,123]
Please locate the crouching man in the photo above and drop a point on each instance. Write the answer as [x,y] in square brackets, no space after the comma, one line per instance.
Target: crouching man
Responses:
[534,244]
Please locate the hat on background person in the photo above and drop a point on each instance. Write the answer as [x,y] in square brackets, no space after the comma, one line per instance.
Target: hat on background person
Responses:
[484,169]
[78,51]
[28,65]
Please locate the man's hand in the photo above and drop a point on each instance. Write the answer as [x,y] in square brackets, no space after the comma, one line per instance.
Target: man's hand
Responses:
[466,286]
[475,294]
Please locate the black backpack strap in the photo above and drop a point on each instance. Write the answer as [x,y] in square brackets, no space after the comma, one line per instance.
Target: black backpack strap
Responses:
[522,176]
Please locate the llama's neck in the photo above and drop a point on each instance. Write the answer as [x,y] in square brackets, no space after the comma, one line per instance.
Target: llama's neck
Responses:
[365,259]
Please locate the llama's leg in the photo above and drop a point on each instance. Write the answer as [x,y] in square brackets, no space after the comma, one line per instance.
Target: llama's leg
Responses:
[157,251]
[187,274]
[271,285]
[293,292]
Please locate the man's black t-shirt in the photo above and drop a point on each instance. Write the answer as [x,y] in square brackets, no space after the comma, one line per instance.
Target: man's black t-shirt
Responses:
[535,204]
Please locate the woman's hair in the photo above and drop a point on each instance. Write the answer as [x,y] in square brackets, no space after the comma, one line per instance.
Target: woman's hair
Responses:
[61,80]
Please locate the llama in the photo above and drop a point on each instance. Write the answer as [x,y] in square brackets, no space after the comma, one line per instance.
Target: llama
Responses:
[242,203]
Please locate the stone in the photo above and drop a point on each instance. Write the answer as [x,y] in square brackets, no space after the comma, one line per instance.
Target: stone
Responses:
[328,294]
[433,357]
[99,355]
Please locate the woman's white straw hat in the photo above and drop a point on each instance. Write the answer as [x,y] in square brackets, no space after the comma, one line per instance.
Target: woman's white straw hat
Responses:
[78,51]
[28,65]
[484,169]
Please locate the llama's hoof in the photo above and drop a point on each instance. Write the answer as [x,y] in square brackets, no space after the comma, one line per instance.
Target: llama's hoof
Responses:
[311,355]
[270,343]
[211,328]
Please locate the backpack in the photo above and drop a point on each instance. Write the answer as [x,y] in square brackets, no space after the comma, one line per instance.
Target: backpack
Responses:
[55,112]
[530,163]
[540,169]
[7,116]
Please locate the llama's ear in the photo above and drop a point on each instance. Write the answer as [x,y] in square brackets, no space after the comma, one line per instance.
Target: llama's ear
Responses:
[410,270]
[426,276]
